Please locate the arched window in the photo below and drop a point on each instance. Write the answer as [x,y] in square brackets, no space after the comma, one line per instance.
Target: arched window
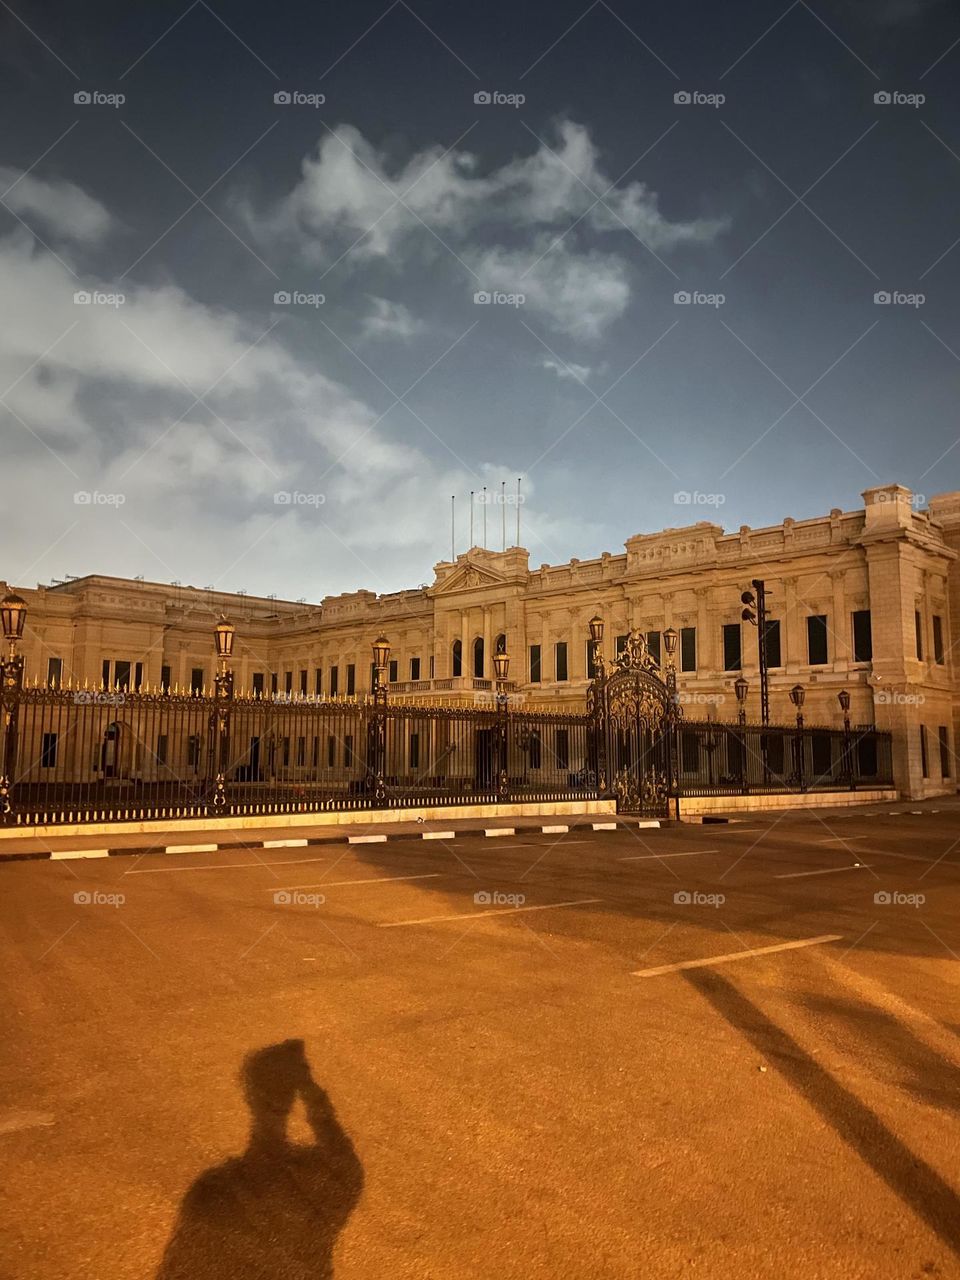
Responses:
[501,643]
[478,657]
[457,658]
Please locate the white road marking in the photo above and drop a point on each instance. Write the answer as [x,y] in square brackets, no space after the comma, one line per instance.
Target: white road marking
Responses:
[191,848]
[656,857]
[366,839]
[604,826]
[57,855]
[555,831]
[227,866]
[15,1121]
[500,911]
[830,839]
[499,831]
[439,835]
[338,884]
[735,955]
[826,871]
[283,844]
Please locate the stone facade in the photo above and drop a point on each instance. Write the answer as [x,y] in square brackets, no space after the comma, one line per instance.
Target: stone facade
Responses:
[892,565]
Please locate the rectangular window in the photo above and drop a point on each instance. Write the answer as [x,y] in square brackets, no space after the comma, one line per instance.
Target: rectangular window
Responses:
[161,748]
[193,750]
[394,673]
[822,756]
[867,756]
[817,640]
[331,752]
[196,680]
[258,684]
[560,652]
[414,668]
[165,679]
[54,672]
[535,676]
[938,640]
[924,762]
[303,683]
[318,682]
[334,681]
[316,752]
[918,628]
[621,645]
[732,652]
[138,675]
[432,665]
[351,679]
[688,648]
[773,643]
[653,645]
[563,748]
[591,665]
[535,749]
[288,682]
[943,740]
[105,673]
[48,751]
[862,636]
[414,751]
[771,748]
[121,674]
[348,750]
[274,686]
[286,753]
[301,751]
[689,752]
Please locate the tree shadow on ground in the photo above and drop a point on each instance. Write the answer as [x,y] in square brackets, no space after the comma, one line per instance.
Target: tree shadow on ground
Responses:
[276,1210]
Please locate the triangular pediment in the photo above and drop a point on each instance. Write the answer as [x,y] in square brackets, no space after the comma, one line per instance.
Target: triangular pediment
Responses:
[468,577]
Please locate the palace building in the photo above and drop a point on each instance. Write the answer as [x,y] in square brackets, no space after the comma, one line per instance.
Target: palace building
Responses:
[862,601]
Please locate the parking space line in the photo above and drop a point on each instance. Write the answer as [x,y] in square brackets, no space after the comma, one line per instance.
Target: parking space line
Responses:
[658,857]
[736,955]
[499,911]
[824,871]
[339,884]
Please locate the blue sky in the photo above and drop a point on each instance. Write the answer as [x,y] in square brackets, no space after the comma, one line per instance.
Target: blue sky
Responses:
[627,160]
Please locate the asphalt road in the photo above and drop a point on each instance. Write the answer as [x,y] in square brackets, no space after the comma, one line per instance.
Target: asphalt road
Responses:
[303,1063]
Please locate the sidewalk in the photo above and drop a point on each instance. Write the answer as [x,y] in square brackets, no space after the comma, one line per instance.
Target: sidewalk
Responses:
[132,843]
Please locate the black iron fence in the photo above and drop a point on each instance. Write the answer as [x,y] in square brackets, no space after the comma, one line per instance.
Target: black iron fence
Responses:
[114,755]
[723,759]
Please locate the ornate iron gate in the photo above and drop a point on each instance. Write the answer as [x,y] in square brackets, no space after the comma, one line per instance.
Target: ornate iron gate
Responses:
[634,710]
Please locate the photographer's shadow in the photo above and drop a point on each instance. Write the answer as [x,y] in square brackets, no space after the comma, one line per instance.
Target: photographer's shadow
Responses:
[275,1211]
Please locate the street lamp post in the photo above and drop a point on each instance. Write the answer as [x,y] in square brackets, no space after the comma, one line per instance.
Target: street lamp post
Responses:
[596,705]
[741,688]
[13,614]
[501,666]
[797,695]
[670,640]
[381,657]
[223,700]
[843,697]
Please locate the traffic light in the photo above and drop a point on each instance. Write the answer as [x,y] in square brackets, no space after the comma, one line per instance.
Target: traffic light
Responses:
[750,613]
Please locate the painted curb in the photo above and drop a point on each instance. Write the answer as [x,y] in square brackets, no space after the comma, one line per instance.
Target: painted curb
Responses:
[60,855]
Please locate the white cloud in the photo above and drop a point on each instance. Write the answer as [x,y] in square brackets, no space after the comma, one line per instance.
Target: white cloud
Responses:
[391,320]
[566,369]
[347,188]
[97,403]
[578,294]
[64,210]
